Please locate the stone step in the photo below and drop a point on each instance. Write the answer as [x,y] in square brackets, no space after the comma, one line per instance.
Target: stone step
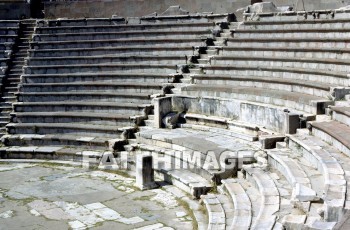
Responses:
[124,27]
[190,182]
[215,212]
[69,153]
[185,42]
[87,141]
[145,34]
[341,114]
[288,167]
[333,132]
[270,61]
[9,23]
[129,50]
[285,52]
[68,128]
[270,199]
[300,102]
[333,173]
[227,205]
[93,87]
[101,77]
[241,202]
[75,117]
[121,97]
[320,76]
[103,67]
[296,24]
[301,86]
[109,59]
[292,33]
[286,42]
[82,106]
[198,145]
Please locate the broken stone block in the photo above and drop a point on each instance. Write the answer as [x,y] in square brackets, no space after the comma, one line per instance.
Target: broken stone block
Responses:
[303,193]
[295,222]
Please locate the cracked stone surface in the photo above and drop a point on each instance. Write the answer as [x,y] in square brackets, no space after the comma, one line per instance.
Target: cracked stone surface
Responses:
[39,196]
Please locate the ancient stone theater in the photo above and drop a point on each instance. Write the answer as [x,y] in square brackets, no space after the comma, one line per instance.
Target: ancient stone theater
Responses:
[175,114]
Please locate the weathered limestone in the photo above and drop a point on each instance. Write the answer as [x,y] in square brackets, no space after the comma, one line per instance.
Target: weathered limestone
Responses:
[215,211]
[145,172]
[270,197]
[242,205]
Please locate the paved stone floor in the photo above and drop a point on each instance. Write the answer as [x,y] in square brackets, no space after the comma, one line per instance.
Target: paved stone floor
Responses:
[47,196]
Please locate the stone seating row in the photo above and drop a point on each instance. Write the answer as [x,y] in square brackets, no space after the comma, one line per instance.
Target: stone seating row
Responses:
[108,59]
[291,33]
[330,65]
[101,77]
[281,52]
[124,27]
[123,35]
[8,30]
[84,95]
[299,102]
[117,43]
[319,43]
[129,50]
[193,18]
[103,67]
[304,87]
[326,161]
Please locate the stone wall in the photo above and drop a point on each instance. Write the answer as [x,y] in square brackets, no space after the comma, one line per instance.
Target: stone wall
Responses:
[137,8]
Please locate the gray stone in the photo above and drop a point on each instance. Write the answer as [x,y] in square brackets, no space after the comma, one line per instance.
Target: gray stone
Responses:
[145,172]
[303,193]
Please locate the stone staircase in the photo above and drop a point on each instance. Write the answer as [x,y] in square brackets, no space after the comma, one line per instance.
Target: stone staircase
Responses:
[15,70]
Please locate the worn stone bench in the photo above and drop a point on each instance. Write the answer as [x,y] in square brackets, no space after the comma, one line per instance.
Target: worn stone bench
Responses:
[82,106]
[101,77]
[215,212]
[124,27]
[283,52]
[103,67]
[144,34]
[87,141]
[48,152]
[333,173]
[8,30]
[9,23]
[82,22]
[292,33]
[296,24]
[333,132]
[341,114]
[131,87]
[7,38]
[59,116]
[108,59]
[300,86]
[287,42]
[71,128]
[300,102]
[129,50]
[118,97]
[270,199]
[271,61]
[241,202]
[117,43]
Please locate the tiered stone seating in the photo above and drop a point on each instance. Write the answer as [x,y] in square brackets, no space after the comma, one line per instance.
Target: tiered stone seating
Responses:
[77,85]
[8,34]
[261,61]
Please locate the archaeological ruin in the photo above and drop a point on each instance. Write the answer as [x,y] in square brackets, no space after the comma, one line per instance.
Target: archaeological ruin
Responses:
[174,114]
